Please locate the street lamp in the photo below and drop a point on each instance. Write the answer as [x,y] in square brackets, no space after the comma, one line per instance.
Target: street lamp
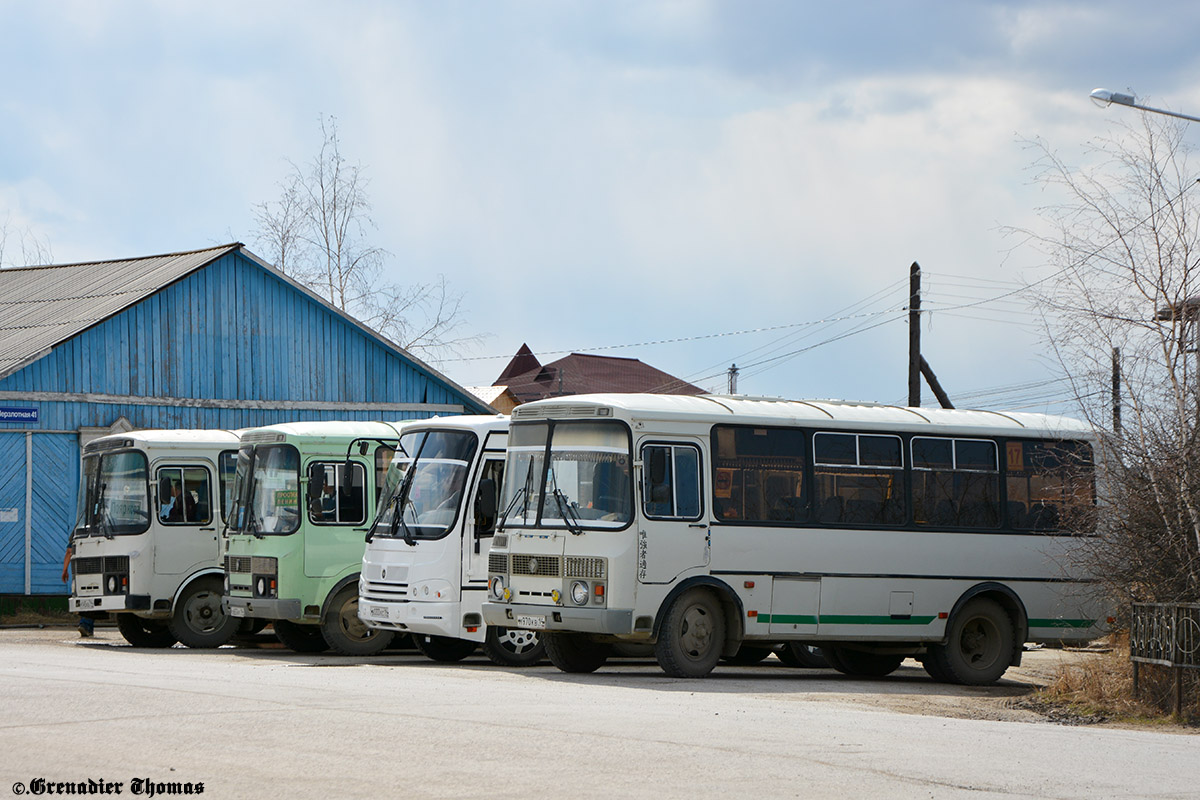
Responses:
[1104,98]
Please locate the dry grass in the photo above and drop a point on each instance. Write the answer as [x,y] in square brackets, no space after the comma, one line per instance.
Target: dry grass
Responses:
[1100,689]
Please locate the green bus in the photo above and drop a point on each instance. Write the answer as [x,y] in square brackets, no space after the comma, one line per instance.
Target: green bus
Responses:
[305,495]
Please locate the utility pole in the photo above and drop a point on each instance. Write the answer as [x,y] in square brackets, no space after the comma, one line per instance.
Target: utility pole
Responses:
[733,373]
[914,335]
[917,365]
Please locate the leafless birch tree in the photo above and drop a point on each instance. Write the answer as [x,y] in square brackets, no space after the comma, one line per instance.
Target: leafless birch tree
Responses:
[1126,245]
[319,232]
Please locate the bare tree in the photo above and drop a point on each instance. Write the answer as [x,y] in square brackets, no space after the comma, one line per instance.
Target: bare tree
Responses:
[34,250]
[1126,242]
[318,232]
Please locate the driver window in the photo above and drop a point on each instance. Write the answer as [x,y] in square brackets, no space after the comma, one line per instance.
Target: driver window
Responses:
[671,481]
[336,497]
[184,496]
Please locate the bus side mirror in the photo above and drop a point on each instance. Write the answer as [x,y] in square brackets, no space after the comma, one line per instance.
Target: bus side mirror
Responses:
[658,466]
[485,500]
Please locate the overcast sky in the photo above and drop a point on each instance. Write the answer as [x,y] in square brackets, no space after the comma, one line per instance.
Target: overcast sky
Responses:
[601,174]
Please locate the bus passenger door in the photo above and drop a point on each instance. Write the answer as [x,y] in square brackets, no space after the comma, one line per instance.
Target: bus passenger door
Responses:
[795,605]
[671,528]
[480,520]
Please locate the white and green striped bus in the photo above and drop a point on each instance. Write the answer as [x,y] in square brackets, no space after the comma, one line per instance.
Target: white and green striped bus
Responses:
[708,525]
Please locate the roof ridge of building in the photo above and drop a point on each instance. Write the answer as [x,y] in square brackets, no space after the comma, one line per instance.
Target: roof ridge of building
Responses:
[225,247]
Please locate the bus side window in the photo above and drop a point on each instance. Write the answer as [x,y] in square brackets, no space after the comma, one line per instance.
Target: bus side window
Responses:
[759,474]
[1050,486]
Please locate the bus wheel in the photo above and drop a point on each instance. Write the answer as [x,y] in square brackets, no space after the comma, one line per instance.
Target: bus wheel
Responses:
[748,655]
[300,638]
[798,654]
[198,620]
[692,636]
[573,652]
[251,625]
[860,664]
[443,648]
[512,647]
[979,645]
[345,633]
[143,632]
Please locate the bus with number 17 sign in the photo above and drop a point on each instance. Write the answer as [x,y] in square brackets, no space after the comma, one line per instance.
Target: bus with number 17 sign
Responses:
[705,525]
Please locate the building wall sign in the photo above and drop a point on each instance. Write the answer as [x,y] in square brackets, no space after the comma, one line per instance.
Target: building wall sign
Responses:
[14,414]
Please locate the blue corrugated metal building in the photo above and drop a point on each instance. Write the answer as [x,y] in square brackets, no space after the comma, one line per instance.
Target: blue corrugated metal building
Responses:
[211,338]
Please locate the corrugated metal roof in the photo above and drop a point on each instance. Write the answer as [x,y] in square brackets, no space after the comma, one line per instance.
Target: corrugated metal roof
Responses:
[41,307]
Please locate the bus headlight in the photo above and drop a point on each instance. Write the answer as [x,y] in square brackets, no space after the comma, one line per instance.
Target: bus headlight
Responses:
[264,576]
[579,593]
[496,587]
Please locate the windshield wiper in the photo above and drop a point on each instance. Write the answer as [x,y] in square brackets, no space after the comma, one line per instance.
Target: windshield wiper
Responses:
[253,524]
[569,517]
[520,494]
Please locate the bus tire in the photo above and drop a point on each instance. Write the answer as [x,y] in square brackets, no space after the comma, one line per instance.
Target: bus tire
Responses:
[931,667]
[801,655]
[574,652]
[144,632]
[513,647]
[692,635]
[859,664]
[300,638]
[345,633]
[249,626]
[445,649]
[748,655]
[979,646]
[198,620]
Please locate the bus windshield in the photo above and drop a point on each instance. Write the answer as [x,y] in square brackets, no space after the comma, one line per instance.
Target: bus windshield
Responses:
[585,484]
[113,495]
[424,484]
[268,485]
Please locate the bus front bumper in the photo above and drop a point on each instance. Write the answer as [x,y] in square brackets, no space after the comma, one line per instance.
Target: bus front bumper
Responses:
[261,607]
[431,619]
[615,621]
[110,602]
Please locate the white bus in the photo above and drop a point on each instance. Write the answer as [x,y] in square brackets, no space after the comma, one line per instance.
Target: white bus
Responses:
[704,524]
[424,571]
[148,534]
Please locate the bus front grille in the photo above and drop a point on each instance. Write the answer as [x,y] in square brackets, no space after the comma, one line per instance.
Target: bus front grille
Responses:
[546,566]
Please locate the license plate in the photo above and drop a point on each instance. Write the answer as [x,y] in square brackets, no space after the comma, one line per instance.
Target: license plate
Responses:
[534,621]
[378,612]
[237,611]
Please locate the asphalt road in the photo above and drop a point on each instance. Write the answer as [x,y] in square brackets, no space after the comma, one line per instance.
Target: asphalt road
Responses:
[264,722]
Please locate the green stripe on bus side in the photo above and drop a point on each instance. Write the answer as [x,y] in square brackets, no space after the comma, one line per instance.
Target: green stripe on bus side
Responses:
[1061,623]
[839,619]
